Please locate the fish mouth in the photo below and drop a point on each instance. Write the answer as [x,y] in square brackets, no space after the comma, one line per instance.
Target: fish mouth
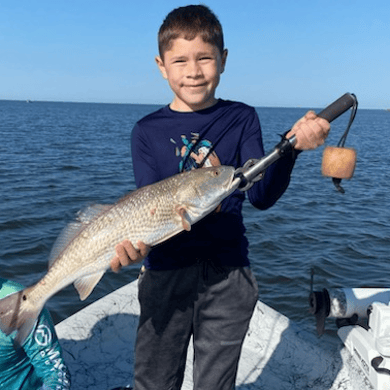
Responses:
[233,182]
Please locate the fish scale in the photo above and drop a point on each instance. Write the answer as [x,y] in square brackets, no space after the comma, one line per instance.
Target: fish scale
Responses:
[83,251]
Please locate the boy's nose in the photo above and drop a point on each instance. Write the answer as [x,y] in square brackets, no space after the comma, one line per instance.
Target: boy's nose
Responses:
[193,69]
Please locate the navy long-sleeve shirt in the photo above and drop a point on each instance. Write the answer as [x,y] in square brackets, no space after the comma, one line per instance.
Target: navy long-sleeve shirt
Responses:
[167,142]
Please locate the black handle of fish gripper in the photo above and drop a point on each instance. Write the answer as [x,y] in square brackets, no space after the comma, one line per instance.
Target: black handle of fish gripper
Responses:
[338,107]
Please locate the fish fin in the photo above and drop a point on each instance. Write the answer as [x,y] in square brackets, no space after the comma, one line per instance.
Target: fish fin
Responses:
[63,240]
[84,217]
[18,314]
[183,214]
[86,284]
[88,214]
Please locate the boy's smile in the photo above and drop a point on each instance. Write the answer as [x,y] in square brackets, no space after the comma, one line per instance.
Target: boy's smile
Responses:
[193,70]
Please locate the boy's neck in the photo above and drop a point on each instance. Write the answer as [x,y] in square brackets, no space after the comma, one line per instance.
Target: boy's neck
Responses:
[174,106]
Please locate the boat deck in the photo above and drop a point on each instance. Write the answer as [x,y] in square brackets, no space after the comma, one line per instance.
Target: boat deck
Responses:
[98,345]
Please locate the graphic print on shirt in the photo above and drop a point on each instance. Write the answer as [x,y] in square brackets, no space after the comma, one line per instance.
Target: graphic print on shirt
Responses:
[195,153]
[43,335]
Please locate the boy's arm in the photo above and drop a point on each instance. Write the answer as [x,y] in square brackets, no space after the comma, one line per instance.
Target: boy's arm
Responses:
[311,132]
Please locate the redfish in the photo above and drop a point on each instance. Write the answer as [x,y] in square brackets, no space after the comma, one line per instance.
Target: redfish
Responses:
[83,251]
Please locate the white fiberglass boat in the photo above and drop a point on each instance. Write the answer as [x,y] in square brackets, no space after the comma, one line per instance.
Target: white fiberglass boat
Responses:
[363,318]
[98,344]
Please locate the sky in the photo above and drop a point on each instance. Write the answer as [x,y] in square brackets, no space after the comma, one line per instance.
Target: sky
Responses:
[281,53]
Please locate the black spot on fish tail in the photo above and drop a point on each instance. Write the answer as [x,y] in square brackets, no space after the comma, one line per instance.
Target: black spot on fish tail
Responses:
[18,314]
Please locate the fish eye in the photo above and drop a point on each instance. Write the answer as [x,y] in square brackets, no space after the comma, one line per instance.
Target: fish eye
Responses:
[216,173]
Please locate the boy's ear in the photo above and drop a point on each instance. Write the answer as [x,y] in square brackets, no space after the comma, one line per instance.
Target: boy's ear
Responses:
[160,64]
[224,58]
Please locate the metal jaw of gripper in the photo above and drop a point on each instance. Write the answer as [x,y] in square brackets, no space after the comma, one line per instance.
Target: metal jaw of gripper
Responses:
[240,173]
[254,169]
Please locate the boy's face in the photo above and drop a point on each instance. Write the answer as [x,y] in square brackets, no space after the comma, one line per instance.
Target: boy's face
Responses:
[193,70]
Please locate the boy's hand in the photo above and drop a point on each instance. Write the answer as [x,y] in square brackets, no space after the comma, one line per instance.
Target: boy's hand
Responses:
[310,131]
[126,254]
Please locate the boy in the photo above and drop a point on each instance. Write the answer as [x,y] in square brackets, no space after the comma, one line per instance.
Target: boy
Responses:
[199,283]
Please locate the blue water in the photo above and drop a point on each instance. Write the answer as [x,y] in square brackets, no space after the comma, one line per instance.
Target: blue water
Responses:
[56,158]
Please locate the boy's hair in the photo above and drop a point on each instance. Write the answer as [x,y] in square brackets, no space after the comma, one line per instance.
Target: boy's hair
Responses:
[189,22]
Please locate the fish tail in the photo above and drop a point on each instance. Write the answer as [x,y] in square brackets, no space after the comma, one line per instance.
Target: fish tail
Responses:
[18,314]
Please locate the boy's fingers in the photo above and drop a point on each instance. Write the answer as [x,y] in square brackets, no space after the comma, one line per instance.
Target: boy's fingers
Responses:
[126,254]
[310,115]
[323,123]
[143,249]
[310,131]
[115,264]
